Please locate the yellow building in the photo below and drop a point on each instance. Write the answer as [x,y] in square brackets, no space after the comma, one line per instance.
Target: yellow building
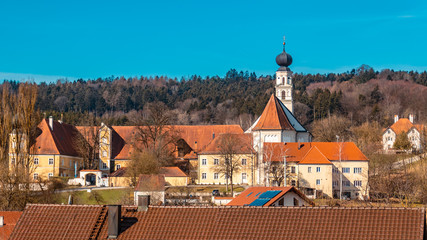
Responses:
[234,148]
[54,152]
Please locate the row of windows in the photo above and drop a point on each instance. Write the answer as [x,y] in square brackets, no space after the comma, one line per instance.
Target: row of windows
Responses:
[36,175]
[216,161]
[216,176]
[356,183]
[317,169]
[356,170]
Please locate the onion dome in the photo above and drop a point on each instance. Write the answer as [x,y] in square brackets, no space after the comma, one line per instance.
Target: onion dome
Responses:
[284,60]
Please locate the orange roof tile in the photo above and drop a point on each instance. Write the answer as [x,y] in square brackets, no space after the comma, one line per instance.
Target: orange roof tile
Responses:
[151,182]
[60,140]
[277,117]
[402,125]
[172,172]
[296,152]
[10,218]
[242,142]
[314,156]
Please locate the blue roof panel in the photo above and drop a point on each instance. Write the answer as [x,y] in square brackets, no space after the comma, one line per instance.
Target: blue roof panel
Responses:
[259,202]
[269,194]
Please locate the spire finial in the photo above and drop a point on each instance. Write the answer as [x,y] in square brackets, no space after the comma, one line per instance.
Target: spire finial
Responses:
[284,39]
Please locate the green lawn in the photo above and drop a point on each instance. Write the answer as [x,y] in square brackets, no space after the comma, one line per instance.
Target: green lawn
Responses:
[111,196]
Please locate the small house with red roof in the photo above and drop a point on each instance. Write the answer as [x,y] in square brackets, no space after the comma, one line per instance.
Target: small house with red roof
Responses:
[271,197]
[8,220]
[403,125]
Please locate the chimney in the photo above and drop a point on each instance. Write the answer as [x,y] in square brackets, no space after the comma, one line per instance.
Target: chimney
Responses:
[51,123]
[62,116]
[411,118]
[396,118]
[114,216]
[1,221]
[143,203]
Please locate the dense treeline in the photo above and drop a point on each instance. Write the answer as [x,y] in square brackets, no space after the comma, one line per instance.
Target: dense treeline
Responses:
[236,98]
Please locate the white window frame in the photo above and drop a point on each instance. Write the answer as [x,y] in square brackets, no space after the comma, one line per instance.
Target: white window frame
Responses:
[216,176]
[318,181]
[118,166]
[204,175]
[244,161]
[35,176]
[51,161]
[49,175]
[204,161]
[104,165]
[345,170]
[244,178]
[293,169]
[357,183]
[357,170]
[318,169]
[216,161]
[309,169]
[36,161]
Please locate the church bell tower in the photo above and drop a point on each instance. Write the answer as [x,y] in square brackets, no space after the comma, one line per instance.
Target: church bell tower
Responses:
[283,88]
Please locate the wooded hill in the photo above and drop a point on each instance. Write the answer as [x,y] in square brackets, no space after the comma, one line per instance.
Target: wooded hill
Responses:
[361,95]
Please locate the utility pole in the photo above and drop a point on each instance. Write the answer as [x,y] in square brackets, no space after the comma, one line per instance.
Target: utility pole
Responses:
[284,172]
[340,171]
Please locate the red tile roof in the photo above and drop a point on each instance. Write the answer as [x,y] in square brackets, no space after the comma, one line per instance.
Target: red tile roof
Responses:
[313,152]
[252,193]
[151,182]
[10,218]
[276,117]
[172,172]
[197,137]
[242,142]
[60,140]
[79,222]
[404,125]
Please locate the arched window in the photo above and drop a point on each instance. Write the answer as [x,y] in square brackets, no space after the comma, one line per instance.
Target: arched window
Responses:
[283,94]
[289,80]
[283,80]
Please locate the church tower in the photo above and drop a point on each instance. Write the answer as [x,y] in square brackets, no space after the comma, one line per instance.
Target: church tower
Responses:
[283,88]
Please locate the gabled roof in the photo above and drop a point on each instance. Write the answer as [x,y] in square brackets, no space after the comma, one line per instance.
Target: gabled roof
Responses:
[251,194]
[79,222]
[277,117]
[314,156]
[312,152]
[60,140]
[172,172]
[154,182]
[197,137]
[10,218]
[404,125]
[242,144]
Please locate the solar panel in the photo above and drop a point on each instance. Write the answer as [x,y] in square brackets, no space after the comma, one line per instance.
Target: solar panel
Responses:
[257,194]
[259,202]
[249,194]
[269,194]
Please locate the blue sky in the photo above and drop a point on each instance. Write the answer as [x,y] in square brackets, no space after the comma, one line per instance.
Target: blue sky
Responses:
[46,40]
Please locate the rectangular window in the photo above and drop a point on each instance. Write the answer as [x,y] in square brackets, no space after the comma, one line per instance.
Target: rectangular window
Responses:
[215,175]
[35,176]
[203,175]
[357,183]
[346,183]
[317,169]
[50,161]
[203,161]
[358,170]
[244,161]
[36,161]
[335,183]
[309,169]
[50,175]
[346,170]
[12,161]
[216,161]
[244,178]
[118,166]
[293,169]
[317,181]
[293,183]
[104,165]
[62,162]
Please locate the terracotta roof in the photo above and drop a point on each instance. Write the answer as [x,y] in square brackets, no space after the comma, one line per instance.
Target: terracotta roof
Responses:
[57,221]
[277,117]
[404,125]
[242,143]
[197,137]
[79,222]
[252,193]
[121,172]
[60,140]
[172,172]
[300,152]
[10,218]
[151,182]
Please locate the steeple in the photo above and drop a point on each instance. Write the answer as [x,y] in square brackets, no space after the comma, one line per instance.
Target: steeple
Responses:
[283,87]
